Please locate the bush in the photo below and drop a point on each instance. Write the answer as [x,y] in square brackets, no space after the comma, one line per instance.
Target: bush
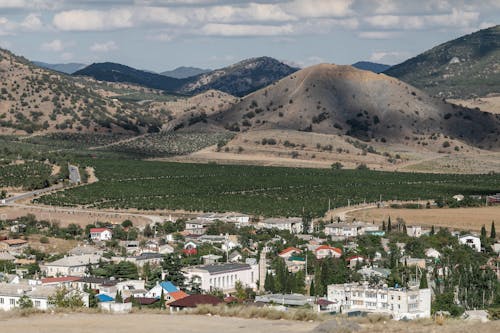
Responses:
[44,240]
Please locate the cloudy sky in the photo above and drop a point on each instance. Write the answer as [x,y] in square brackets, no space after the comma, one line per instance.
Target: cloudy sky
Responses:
[163,34]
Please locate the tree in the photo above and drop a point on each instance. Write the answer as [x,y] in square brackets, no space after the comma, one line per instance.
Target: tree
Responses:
[63,299]
[383,226]
[127,224]
[148,232]
[312,292]
[25,302]
[493,233]
[162,300]
[172,266]
[118,297]
[433,232]
[423,281]
[337,166]
[269,283]
[389,226]
[241,293]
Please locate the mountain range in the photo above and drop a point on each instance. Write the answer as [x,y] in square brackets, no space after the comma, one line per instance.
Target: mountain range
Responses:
[371,66]
[462,68]
[185,72]
[68,68]
[239,79]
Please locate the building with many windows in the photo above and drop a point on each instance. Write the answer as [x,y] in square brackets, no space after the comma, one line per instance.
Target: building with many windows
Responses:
[400,303]
[223,276]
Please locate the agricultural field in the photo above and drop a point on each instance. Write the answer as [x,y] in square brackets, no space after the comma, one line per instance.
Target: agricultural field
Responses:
[170,144]
[29,175]
[76,140]
[267,191]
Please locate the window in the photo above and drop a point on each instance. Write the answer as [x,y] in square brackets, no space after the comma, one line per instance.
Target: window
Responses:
[1,300]
[37,304]
[12,301]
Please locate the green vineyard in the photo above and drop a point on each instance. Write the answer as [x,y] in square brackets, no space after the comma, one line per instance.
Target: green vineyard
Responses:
[268,191]
[30,175]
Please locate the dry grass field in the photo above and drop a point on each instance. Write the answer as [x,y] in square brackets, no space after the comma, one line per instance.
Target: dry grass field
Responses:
[489,103]
[453,218]
[147,322]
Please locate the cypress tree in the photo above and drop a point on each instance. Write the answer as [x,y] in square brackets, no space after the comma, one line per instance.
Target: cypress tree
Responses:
[383,225]
[433,232]
[493,233]
[312,292]
[389,226]
[483,233]
[162,300]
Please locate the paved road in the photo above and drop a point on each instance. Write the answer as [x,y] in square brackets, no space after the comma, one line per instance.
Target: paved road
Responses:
[33,193]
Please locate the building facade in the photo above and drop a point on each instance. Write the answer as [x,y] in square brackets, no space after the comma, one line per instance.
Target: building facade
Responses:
[400,303]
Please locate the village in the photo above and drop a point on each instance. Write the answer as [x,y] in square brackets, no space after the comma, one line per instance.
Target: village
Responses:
[332,267]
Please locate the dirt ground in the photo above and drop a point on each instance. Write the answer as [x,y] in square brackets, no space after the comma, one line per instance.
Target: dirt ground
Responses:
[103,323]
[454,218]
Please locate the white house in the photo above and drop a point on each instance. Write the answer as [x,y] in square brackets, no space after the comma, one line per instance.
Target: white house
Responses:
[414,231]
[71,266]
[293,225]
[345,230]
[400,303]
[325,251]
[432,253]
[223,276]
[197,226]
[289,251]
[100,234]
[473,241]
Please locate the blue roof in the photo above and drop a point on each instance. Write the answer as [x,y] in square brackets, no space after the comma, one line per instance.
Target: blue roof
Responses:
[169,286]
[104,298]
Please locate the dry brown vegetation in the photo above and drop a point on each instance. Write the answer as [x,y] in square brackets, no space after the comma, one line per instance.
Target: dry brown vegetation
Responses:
[454,218]
[490,103]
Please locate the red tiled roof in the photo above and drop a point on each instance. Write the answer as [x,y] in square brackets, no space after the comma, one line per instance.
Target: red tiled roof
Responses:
[143,300]
[327,247]
[178,295]
[289,249]
[192,301]
[60,279]
[98,229]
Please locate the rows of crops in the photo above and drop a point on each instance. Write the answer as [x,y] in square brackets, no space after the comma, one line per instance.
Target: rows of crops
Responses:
[267,191]
[76,140]
[30,175]
[170,144]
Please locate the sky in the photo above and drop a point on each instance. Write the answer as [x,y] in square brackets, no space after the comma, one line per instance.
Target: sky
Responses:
[160,35]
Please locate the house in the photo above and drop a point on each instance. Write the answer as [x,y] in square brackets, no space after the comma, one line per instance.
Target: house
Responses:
[289,251]
[228,242]
[63,281]
[166,249]
[197,226]
[130,246]
[353,261]
[414,231]
[235,256]
[223,276]
[71,265]
[209,259]
[432,253]
[98,284]
[192,301]
[100,234]
[368,272]
[493,199]
[496,247]
[6,256]
[171,293]
[470,240]
[153,259]
[400,303]
[239,220]
[326,251]
[190,248]
[285,299]
[13,244]
[293,225]
[324,305]
[346,230]
[295,264]
[420,262]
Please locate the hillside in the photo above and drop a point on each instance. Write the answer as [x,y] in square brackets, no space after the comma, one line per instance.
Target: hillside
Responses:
[342,100]
[371,66]
[461,68]
[241,78]
[185,72]
[68,68]
[112,72]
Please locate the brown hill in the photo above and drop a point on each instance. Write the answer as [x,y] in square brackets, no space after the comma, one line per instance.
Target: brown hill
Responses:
[343,100]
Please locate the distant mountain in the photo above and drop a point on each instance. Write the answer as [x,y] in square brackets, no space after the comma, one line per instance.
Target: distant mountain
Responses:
[342,100]
[465,67]
[371,66]
[112,72]
[185,72]
[68,68]
[241,78]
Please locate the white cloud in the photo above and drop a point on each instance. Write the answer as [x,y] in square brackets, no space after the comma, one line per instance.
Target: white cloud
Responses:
[104,47]
[319,8]
[54,46]
[241,30]
[378,34]
[32,22]
[93,20]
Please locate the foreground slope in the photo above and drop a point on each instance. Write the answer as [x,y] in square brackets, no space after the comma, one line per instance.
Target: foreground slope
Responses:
[342,100]
[464,67]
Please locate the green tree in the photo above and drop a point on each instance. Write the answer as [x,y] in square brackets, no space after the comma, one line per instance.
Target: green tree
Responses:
[423,281]
[63,299]
[172,266]
[433,232]
[312,291]
[269,283]
[25,302]
[389,226]
[337,166]
[127,224]
[118,297]
[493,233]
[162,300]
[483,233]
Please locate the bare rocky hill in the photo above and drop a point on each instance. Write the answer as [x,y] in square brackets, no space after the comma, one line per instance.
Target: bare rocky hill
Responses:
[343,100]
